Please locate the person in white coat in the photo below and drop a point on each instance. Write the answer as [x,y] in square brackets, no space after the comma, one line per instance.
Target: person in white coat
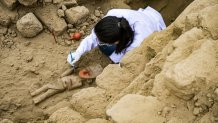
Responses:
[120,31]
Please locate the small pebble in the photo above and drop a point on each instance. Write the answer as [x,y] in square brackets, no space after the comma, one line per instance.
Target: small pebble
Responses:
[29,59]
[97,13]
[173,106]
[196,111]
[63,7]
[60,13]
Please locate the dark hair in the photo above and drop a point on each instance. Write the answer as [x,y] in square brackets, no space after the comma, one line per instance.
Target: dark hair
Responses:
[111,29]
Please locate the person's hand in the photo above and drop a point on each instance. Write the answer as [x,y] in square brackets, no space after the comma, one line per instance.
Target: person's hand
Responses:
[71,58]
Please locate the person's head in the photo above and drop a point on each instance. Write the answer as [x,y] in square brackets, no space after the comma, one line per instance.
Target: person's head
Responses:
[113,30]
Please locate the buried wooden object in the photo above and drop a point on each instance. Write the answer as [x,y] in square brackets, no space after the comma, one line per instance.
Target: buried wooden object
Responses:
[66,83]
[48,90]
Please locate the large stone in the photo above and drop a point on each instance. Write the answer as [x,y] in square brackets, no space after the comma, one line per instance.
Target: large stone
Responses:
[76,15]
[134,108]
[54,108]
[66,115]
[209,20]
[68,3]
[29,25]
[48,16]
[7,16]
[27,2]
[114,78]
[91,102]
[98,120]
[9,3]
[190,65]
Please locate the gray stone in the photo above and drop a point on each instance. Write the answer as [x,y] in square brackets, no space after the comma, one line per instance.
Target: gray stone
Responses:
[76,15]
[27,2]
[50,19]
[29,25]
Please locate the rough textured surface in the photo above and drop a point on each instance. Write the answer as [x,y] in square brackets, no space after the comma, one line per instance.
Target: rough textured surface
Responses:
[91,102]
[66,115]
[54,108]
[76,14]
[6,16]
[29,25]
[111,81]
[136,108]
[50,18]
[98,120]
[9,3]
[27,2]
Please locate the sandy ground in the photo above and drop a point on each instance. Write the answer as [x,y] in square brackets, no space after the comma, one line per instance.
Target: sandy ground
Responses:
[32,62]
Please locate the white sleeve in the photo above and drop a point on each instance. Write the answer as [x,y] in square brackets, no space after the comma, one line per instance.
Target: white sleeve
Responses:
[86,45]
[141,32]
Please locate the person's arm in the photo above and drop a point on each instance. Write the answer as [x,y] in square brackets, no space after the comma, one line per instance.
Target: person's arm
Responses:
[86,45]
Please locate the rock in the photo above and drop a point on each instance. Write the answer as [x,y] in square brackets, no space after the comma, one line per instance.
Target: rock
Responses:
[27,2]
[66,115]
[49,17]
[59,105]
[91,102]
[29,59]
[137,108]
[189,68]
[97,13]
[3,30]
[8,43]
[63,7]
[98,120]
[206,118]
[114,78]
[29,25]
[9,3]
[76,15]
[196,111]
[60,13]
[70,26]
[7,16]
[48,1]
[6,121]
[209,20]
[68,3]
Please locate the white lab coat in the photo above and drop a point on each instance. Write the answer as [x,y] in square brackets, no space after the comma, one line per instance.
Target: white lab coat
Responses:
[143,22]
